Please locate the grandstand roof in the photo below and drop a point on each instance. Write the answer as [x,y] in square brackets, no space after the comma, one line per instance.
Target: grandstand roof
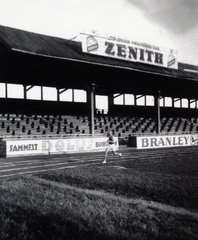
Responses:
[36,59]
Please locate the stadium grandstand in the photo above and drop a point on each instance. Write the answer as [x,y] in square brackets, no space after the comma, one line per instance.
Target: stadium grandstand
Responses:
[143,97]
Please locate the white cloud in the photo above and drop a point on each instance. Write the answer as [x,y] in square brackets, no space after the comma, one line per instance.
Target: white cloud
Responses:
[137,20]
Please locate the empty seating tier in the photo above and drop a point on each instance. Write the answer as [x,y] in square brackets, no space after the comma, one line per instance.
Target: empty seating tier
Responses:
[19,125]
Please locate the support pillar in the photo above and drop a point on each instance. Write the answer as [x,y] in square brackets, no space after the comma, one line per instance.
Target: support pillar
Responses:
[135,100]
[26,89]
[25,92]
[58,94]
[110,104]
[6,90]
[41,93]
[157,111]
[91,102]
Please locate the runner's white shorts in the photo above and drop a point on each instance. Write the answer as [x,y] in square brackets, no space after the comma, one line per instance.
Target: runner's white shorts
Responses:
[112,147]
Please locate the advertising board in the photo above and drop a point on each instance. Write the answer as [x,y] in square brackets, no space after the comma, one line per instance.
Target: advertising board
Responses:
[127,50]
[144,142]
[55,146]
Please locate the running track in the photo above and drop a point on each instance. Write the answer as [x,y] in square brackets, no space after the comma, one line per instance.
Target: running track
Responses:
[26,165]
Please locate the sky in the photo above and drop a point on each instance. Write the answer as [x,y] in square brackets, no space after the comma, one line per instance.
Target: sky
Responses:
[165,23]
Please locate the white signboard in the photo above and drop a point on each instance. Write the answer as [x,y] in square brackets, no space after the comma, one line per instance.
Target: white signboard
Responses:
[55,146]
[124,49]
[166,141]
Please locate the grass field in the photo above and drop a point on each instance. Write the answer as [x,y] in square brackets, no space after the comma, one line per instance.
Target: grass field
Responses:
[127,199]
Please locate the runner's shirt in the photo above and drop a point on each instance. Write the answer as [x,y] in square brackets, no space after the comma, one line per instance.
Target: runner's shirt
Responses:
[111,140]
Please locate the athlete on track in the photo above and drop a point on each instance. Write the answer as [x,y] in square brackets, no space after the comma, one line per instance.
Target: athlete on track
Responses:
[111,146]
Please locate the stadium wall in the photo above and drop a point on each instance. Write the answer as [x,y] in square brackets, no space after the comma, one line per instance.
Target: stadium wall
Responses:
[21,106]
[150,111]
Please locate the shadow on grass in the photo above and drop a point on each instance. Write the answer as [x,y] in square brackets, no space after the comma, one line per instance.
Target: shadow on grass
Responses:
[174,190]
[17,223]
[39,211]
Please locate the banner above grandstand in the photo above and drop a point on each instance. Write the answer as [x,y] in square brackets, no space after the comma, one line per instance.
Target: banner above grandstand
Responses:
[127,50]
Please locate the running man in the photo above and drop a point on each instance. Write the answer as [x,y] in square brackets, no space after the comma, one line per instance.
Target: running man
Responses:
[111,146]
